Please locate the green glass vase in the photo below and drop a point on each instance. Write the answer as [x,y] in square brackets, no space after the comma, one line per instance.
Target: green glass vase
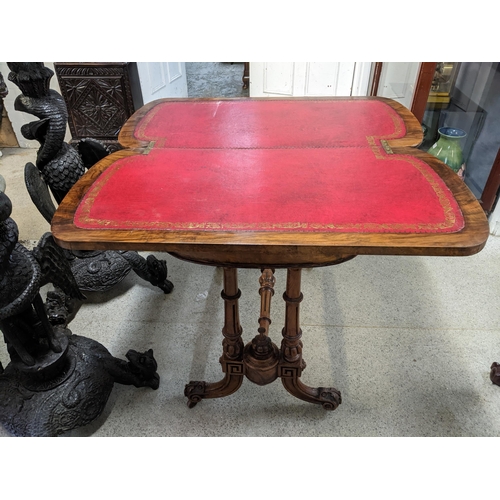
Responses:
[449,150]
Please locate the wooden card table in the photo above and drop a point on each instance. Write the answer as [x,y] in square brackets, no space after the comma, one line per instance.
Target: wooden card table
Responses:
[266,184]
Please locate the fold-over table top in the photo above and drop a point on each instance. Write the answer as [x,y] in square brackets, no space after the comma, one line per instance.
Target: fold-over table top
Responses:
[270,124]
[310,172]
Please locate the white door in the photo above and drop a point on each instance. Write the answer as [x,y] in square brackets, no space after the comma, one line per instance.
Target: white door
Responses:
[271,79]
[162,79]
[397,81]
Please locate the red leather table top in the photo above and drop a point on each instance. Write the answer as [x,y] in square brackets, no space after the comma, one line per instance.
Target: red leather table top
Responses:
[256,165]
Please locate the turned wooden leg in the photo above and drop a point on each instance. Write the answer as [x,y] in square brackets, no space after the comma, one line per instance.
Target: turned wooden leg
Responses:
[261,356]
[292,364]
[232,345]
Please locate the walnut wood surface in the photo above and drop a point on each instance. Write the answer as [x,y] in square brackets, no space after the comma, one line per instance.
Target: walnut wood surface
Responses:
[276,249]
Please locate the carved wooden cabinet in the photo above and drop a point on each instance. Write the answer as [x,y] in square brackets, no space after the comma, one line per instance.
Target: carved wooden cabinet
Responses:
[100,97]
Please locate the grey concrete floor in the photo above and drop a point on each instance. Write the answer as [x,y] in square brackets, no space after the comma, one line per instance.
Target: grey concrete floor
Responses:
[215,79]
[407,340]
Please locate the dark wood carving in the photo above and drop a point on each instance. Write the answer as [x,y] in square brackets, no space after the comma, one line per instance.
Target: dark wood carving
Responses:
[98,97]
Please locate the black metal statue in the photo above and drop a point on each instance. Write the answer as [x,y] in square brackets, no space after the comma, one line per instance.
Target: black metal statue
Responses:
[58,166]
[55,381]
[3,93]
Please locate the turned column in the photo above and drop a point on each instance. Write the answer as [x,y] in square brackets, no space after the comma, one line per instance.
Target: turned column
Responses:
[292,364]
[261,356]
[291,345]
[232,344]
[232,348]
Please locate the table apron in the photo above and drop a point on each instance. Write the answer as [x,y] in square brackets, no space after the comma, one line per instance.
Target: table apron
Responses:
[246,258]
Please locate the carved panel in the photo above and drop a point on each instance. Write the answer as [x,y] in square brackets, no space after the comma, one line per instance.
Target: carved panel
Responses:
[98,97]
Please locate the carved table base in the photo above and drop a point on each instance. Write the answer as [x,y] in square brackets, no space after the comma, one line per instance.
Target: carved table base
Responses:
[261,361]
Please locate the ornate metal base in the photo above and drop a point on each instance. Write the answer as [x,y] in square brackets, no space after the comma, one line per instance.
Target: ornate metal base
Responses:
[261,361]
[55,381]
[71,389]
[101,270]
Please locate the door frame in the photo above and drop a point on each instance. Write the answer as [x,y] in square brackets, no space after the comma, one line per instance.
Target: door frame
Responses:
[492,187]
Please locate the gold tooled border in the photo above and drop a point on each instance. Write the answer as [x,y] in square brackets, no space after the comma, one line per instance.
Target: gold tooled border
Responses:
[161,142]
[440,189]
[450,219]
